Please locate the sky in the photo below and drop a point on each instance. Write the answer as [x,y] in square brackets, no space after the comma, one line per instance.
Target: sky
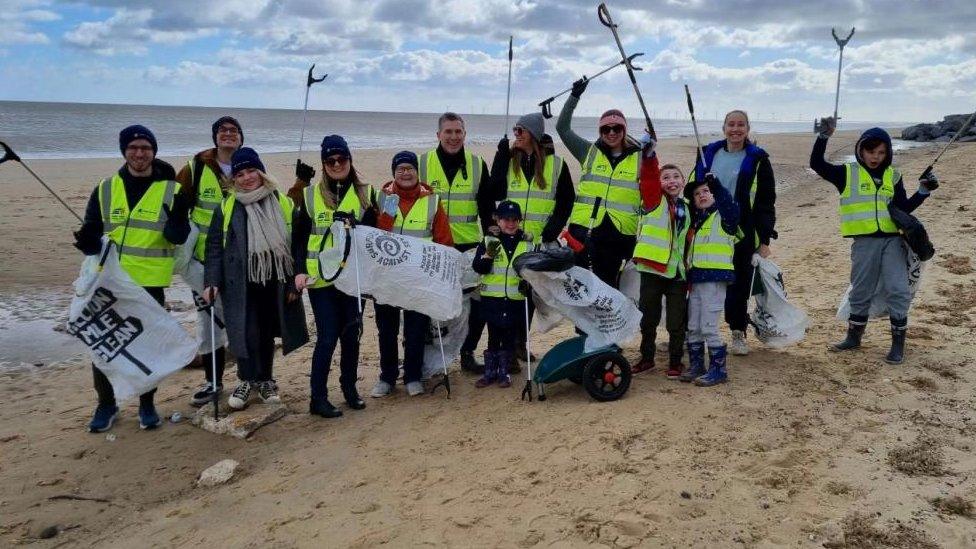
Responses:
[908,60]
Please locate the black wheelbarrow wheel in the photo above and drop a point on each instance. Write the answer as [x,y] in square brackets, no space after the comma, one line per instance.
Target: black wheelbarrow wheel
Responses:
[607,376]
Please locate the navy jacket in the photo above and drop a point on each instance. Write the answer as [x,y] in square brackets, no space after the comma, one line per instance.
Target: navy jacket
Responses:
[728,211]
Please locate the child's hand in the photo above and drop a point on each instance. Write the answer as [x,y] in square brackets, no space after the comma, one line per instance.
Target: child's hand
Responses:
[827,126]
[492,248]
[928,181]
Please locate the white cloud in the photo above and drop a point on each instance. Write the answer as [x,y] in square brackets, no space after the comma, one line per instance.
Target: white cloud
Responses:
[16,22]
[126,32]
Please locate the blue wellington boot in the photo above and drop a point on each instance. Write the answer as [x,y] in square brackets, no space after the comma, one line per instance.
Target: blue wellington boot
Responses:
[716,368]
[696,362]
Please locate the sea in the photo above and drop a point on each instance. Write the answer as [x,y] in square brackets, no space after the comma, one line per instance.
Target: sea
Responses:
[38,130]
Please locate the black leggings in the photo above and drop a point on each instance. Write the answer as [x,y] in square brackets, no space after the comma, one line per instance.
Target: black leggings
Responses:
[260,327]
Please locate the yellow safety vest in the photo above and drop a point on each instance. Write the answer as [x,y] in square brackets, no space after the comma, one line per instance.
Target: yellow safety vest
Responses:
[503,281]
[209,196]
[618,189]
[322,217]
[419,221]
[752,198]
[655,234]
[287,210]
[536,204]
[457,195]
[144,252]
[712,247]
[864,204]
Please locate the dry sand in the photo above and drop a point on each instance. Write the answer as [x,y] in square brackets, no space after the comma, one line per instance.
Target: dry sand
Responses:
[799,449]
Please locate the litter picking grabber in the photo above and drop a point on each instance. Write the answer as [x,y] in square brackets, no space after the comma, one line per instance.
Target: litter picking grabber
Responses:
[9,154]
[213,361]
[604,14]
[308,86]
[694,124]
[527,390]
[840,64]
[928,169]
[547,104]
[446,382]
[508,94]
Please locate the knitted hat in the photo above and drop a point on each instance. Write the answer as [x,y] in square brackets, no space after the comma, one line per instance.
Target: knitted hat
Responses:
[333,145]
[245,157]
[508,210]
[131,133]
[534,123]
[611,117]
[404,157]
[226,120]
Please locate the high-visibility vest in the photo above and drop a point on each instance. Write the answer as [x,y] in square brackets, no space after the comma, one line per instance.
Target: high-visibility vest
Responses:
[536,204]
[752,196]
[287,210]
[144,252]
[322,217]
[712,247]
[419,221]
[864,204]
[209,196]
[617,187]
[656,236]
[457,195]
[503,280]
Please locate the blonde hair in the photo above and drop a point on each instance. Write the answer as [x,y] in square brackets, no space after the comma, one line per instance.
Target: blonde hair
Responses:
[267,180]
[539,169]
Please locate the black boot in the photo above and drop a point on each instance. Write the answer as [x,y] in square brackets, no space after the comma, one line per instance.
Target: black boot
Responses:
[855,330]
[470,364]
[896,355]
[323,408]
[352,398]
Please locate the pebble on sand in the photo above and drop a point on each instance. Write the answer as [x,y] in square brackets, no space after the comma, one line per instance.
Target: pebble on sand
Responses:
[218,473]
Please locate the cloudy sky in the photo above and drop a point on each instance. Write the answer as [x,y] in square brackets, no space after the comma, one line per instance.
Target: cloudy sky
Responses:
[909,60]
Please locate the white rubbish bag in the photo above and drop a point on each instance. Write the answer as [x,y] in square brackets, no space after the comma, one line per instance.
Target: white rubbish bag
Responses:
[133,340]
[630,282]
[453,331]
[777,322]
[879,308]
[191,271]
[605,315]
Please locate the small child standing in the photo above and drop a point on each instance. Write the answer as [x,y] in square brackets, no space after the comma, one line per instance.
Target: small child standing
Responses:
[708,260]
[502,301]
[659,257]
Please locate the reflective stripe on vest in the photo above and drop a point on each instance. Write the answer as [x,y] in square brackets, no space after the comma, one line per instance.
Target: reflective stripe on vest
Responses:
[617,187]
[502,280]
[655,235]
[209,196]
[458,196]
[144,252]
[712,247]
[419,221]
[752,198]
[287,211]
[322,217]
[536,204]
[864,204]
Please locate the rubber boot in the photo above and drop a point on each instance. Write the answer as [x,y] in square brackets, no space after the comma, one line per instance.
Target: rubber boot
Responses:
[696,362]
[716,368]
[855,330]
[505,360]
[896,355]
[491,370]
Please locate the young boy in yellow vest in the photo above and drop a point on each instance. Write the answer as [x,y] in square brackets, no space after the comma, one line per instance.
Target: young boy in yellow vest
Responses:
[659,257]
[867,187]
[708,260]
[502,299]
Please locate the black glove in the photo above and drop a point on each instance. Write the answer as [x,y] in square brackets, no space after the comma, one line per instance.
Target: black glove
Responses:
[711,180]
[827,126]
[929,180]
[579,87]
[88,239]
[345,217]
[181,207]
[524,288]
[503,144]
[303,171]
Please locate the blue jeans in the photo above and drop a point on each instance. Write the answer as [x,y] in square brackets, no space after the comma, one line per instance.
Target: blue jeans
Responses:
[336,320]
[415,329]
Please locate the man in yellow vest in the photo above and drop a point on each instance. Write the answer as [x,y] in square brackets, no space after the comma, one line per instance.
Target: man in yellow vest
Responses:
[204,180]
[140,209]
[460,179]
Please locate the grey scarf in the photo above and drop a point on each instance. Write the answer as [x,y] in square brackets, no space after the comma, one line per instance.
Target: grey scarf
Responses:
[268,252]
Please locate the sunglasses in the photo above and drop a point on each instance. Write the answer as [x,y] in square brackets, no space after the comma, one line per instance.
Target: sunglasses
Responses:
[335,161]
[615,128]
[517,130]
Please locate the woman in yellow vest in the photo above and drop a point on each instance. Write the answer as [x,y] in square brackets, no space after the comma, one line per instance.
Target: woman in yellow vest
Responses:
[867,187]
[340,193]
[708,262]
[502,298]
[117,209]
[249,262]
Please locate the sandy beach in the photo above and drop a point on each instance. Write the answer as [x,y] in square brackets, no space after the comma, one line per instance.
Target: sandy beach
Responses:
[803,448]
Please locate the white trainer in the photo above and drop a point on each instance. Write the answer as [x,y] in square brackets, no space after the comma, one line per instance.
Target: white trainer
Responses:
[381,389]
[739,346]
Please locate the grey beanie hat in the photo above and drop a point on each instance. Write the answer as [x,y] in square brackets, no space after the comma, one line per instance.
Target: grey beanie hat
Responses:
[535,123]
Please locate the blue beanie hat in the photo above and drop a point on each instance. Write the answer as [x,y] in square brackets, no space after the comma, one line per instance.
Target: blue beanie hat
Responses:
[508,210]
[131,133]
[333,145]
[404,157]
[245,157]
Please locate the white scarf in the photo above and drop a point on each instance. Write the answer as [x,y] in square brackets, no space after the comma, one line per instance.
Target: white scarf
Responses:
[268,252]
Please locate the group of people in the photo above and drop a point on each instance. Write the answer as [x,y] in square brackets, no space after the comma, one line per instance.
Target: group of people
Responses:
[692,241]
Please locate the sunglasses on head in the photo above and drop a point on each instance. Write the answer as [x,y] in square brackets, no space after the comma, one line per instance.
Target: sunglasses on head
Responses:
[334,161]
[614,128]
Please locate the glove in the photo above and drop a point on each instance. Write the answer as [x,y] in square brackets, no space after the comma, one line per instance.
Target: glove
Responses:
[579,87]
[711,180]
[180,208]
[304,172]
[524,288]
[493,247]
[391,205]
[88,240]
[827,126]
[494,230]
[503,145]
[647,143]
[928,181]
[346,217]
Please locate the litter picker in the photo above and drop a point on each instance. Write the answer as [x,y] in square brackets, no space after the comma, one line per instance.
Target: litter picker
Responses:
[547,103]
[508,95]
[446,382]
[213,361]
[694,124]
[308,86]
[604,14]
[840,64]
[962,130]
[527,390]
[9,154]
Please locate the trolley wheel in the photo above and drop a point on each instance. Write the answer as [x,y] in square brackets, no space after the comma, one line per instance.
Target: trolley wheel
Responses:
[607,376]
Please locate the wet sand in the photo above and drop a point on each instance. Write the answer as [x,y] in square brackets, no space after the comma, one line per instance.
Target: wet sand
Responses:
[797,450]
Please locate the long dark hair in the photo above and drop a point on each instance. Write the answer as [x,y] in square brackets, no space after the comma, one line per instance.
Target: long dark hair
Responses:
[539,155]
